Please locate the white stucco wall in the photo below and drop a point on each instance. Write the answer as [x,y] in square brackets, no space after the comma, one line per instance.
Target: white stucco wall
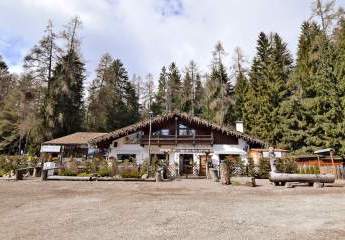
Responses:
[174,157]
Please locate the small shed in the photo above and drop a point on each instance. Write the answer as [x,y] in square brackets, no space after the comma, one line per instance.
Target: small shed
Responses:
[324,159]
[75,145]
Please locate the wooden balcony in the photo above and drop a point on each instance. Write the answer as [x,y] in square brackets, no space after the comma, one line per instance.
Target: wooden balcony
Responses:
[177,139]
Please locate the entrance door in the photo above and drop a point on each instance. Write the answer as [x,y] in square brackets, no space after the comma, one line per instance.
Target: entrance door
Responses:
[203,163]
[187,163]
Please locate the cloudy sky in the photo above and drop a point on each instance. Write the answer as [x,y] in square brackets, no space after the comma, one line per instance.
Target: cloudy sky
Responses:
[146,34]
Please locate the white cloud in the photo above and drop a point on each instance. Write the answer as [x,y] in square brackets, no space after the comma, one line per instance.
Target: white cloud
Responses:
[146,34]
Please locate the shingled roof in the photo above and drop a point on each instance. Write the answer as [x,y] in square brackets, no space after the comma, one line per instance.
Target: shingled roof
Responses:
[78,138]
[185,117]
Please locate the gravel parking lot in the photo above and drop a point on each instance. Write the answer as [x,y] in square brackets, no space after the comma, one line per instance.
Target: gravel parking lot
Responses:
[182,209]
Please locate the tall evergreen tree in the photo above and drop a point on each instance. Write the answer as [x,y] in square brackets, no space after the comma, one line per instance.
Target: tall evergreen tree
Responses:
[198,96]
[97,97]
[6,80]
[159,105]
[268,88]
[298,109]
[174,87]
[186,96]
[241,84]
[66,95]
[113,102]
[218,105]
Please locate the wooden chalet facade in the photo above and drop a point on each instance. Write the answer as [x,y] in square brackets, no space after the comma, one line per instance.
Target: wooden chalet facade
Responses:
[183,141]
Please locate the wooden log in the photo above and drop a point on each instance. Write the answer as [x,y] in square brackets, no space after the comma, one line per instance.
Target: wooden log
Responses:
[69,178]
[213,173]
[158,175]
[44,175]
[19,174]
[225,174]
[307,178]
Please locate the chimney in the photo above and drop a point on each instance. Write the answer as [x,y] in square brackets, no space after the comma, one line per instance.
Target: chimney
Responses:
[239,126]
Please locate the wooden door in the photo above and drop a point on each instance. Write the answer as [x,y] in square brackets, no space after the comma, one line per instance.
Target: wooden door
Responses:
[203,163]
[187,163]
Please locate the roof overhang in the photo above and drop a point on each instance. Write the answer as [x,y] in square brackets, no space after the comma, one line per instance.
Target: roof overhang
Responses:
[186,117]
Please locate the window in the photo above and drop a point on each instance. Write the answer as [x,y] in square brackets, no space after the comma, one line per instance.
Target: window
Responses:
[165,132]
[185,131]
[161,132]
[126,157]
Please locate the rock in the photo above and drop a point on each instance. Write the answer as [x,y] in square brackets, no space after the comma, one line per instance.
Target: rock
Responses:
[251,182]
[144,176]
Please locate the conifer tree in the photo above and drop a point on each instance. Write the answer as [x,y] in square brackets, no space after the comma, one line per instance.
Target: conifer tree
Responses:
[297,109]
[268,88]
[186,95]
[66,95]
[113,102]
[159,105]
[241,84]
[96,111]
[6,80]
[198,97]
[218,89]
[174,87]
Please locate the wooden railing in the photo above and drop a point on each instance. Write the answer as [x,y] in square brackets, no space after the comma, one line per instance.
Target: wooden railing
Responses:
[175,139]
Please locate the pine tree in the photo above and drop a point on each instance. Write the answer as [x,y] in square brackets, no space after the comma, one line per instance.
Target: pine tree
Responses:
[96,111]
[241,89]
[218,105]
[18,117]
[6,81]
[113,102]
[268,88]
[159,105]
[241,84]
[174,89]
[66,95]
[186,96]
[281,67]
[198,98]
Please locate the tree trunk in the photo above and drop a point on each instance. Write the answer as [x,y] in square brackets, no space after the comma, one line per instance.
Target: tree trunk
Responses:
[225,174]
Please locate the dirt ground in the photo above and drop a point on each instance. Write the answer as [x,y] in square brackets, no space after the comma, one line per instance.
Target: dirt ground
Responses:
[182,209]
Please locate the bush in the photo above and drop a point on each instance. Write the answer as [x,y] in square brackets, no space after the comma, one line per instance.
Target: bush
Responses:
[132,173]
[67,172]
[264,168]
[286,165]
[84,174]
[104,172]
[9,163]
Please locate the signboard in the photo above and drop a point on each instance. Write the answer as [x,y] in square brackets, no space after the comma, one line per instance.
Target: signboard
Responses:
[50,148]
[193,150]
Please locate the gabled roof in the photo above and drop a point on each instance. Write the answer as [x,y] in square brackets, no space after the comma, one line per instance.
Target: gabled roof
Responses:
[78,138]
[185,117]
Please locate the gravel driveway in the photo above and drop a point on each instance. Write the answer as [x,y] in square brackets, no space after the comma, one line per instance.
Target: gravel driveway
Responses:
[182,209]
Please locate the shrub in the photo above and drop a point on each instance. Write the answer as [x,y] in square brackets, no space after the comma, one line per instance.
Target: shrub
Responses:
[132,173]
[84,174]
[286,165]
[264,168]
[235,165]
[67,172]
[104,172]
[9,163]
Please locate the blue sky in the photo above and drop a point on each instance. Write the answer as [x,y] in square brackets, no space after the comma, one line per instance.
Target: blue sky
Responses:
[146,34]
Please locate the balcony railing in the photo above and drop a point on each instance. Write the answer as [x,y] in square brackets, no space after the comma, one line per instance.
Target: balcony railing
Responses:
[175,139]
